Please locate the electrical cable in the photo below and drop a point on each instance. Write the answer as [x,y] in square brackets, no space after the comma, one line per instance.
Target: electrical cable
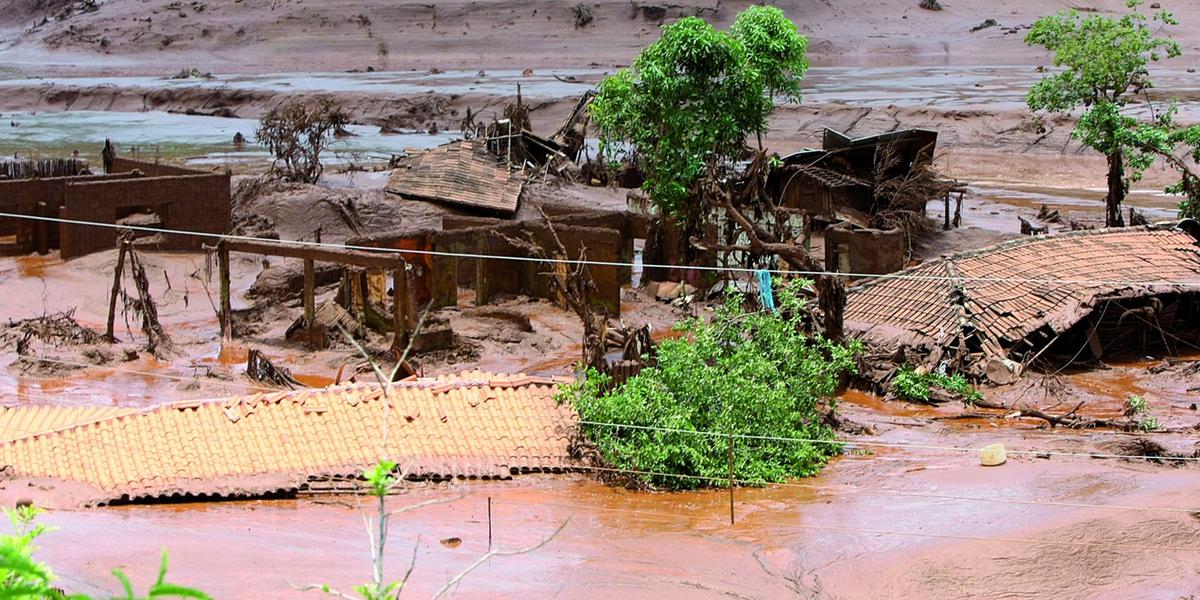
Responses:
[868,531]
[567,261]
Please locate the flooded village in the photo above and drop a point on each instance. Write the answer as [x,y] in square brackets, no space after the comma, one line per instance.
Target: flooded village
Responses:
[578,299]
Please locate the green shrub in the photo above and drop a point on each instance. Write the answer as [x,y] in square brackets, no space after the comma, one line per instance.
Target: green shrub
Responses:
[918,387]
[745,373]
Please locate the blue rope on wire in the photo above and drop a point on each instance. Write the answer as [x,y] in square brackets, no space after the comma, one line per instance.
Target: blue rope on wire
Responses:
[764,290]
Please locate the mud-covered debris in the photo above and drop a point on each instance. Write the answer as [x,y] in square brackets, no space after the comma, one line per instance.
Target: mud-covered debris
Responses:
[260,369]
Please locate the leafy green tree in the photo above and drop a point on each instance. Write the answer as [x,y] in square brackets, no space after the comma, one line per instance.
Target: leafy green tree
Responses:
[745,373]
[1164,138]
[692,97]
[1103,61]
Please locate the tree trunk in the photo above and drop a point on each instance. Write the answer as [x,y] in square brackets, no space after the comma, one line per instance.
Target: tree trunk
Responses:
[1116,190]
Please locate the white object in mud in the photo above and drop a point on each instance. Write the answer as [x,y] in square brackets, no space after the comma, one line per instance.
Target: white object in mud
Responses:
[993,455]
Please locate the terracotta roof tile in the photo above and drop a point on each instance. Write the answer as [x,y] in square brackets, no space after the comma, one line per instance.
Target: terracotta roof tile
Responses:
[21,421]
[1060,274]
[480,425]
[460,173]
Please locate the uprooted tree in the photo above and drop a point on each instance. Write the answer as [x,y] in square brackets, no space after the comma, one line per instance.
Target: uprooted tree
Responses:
[1103,62]
[296,133]
[747,373]
[686,108]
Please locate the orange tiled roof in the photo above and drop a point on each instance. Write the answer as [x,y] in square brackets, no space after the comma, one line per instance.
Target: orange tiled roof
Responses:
[21,421]
[471,424]
[460,173]
[1058,276]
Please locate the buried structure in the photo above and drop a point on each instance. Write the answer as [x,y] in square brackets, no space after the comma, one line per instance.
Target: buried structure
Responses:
[1047,300]
[470,425]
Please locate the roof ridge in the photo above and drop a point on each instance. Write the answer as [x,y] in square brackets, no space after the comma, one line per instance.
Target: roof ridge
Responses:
[434,385]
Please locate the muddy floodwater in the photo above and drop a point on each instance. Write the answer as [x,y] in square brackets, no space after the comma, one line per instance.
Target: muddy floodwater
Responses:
[198,140]
[919,524]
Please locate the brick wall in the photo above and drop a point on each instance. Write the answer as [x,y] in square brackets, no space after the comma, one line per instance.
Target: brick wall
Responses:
[198,203]
[150,168]
[22,196]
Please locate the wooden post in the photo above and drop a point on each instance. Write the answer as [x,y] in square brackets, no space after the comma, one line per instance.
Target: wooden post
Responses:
[958,210]
[310,301]
[226,304]
[946,202]
[730,437]
[42,230]
[122,244]
[400,307]
[481,291]
[489,522]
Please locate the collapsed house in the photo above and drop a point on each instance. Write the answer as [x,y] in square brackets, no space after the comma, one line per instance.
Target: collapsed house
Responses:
[133,192]
[1053,300]
[597,235]
[469,425]
[460,174]
[838,189]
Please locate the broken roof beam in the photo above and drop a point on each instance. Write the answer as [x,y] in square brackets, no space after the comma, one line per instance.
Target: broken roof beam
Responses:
[358,258]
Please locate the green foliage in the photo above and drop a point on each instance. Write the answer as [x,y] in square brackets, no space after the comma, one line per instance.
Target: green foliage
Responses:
[1166,139]
[161,588]
[918,387]
[1137,408]
[745,373]
[691,98]
[1103,62]
[21,577]
[380,478]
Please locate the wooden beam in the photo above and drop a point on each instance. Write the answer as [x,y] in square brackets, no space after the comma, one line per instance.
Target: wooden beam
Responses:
[226,305]
[310,301]
[116,289]
[400,309]
[358,258]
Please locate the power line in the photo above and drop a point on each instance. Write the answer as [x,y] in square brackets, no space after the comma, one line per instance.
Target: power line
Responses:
[868,531]
[844,442]
[849,490]
[598,263]
[716,434]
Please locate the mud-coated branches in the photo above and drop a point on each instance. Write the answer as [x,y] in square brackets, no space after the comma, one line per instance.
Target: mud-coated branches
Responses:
[296,134]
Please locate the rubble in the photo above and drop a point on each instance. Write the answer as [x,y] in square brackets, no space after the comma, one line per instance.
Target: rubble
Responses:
[997,311]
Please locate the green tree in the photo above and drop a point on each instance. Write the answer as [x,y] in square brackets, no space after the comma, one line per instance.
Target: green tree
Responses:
[744,374]
[1164,138]
[692,97]
[1103,61]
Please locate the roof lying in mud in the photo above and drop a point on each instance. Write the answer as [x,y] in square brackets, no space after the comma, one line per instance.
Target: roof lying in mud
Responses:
[470,425]
[462,174]
[998,296]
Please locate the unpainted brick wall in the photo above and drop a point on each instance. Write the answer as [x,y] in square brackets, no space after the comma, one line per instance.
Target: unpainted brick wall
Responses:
[198,203]
[150,168]
[21,196]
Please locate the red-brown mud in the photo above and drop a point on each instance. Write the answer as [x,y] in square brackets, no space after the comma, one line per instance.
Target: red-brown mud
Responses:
[902,518]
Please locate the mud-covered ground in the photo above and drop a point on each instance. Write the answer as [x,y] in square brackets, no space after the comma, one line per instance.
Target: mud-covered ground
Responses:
[878,523]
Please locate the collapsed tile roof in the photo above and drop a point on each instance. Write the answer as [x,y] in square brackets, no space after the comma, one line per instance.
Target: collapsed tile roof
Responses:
[460,173]
[474,424]
[1001,294]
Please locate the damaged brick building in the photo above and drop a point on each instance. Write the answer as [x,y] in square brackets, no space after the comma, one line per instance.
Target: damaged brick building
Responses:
[131,191]
[1047,300]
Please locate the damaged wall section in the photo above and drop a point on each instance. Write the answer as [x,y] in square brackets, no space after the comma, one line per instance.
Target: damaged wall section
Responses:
[993,312]
[607,237]
[165,196]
